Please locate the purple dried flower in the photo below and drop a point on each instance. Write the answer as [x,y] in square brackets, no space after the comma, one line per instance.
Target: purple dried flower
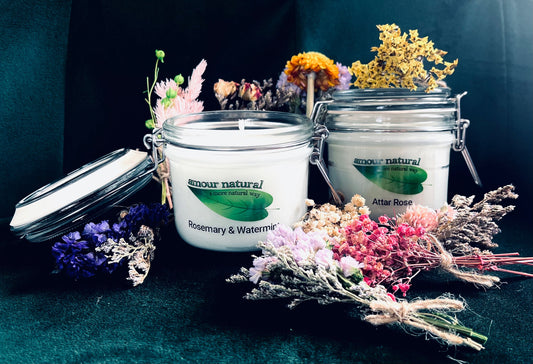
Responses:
[75,256]
[344,77]
[153,215]
[96,233]
[78,254]
[287,86]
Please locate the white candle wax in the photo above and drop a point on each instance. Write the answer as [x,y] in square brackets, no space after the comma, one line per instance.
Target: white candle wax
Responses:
[215,193]
[391,170]
[392,146]
[237,175]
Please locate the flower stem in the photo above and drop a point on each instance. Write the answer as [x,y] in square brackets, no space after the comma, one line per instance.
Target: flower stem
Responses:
[150,89]
[311,77]
[447,323]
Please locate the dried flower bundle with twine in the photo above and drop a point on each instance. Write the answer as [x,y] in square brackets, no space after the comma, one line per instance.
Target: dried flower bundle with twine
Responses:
[340,255]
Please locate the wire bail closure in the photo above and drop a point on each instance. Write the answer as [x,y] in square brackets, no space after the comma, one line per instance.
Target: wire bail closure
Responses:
[320,135]
[459,144]
[153,142]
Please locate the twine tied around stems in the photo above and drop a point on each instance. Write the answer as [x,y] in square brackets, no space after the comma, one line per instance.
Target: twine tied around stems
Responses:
[408,313]
[447,264]
[163,173]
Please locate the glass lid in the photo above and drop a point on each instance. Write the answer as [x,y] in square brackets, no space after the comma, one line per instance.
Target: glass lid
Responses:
[83,194]
[238,130]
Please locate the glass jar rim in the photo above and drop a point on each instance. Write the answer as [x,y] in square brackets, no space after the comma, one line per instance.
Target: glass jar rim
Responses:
[392,110]
[237,130]
[393,99]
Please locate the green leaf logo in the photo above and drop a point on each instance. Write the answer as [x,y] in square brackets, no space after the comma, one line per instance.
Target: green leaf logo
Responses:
[397,178]
[235,204]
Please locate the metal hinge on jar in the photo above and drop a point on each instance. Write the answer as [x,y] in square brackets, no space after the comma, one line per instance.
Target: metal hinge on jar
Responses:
[320,135]
[459,144]
[153,142]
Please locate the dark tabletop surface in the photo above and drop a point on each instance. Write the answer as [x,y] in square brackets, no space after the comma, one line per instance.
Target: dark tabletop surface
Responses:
[186,312]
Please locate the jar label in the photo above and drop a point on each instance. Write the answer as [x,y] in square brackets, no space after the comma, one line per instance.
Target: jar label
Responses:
[230,200]
[397,175]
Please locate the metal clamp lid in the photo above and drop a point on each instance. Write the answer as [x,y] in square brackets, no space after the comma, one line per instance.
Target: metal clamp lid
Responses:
[87,192]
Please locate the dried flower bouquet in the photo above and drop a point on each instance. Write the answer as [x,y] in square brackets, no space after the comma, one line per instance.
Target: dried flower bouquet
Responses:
[341,255]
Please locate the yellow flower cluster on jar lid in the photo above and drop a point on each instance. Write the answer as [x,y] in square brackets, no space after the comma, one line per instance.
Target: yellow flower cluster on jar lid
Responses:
[299,66]
[399,62]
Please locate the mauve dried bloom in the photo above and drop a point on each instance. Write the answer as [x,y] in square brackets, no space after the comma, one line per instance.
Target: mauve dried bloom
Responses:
[225,89]
[249,92]
[345,77]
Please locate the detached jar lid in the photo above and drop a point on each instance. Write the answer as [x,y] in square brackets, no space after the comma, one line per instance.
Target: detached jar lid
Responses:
[238,130]
[90,191]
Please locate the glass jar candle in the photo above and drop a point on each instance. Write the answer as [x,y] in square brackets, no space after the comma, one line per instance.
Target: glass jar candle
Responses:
[236,175]
[392,146]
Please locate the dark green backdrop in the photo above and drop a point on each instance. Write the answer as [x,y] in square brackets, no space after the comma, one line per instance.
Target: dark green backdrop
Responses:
[72,75]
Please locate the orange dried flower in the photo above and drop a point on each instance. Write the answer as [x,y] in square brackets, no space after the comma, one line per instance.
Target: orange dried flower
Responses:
[299,66]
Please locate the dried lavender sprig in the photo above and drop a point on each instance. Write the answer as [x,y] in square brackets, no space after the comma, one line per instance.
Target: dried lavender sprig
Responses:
[473,227]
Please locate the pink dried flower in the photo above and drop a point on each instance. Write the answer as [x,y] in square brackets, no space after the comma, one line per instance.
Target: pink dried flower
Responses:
[183,101]
[324,258]
[420,216]
[195,82]
[349,266]
[260,266]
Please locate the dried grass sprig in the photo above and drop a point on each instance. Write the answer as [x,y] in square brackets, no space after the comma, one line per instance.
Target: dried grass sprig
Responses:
[472,228]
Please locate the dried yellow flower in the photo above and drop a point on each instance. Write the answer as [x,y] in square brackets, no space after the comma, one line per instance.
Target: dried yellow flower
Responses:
[400,62]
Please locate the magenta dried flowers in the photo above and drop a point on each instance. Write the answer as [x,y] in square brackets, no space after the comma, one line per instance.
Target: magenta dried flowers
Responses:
[172,100]
[341,255]
[101,248]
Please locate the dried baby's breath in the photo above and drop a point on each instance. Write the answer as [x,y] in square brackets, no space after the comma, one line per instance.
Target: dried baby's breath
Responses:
[330,218]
